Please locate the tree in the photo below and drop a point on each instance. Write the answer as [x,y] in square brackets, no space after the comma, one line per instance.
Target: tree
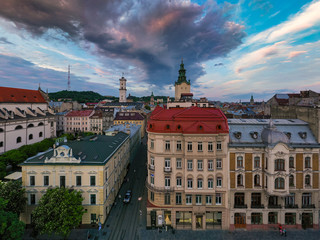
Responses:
[147,107]
[59,210]
[10,226]
[14,194]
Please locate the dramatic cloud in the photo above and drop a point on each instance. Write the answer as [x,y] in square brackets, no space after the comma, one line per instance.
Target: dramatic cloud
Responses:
[3,40]
[150,35]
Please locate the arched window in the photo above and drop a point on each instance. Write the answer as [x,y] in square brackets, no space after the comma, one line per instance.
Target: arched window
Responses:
[30,136]
[291,181]
[239,161]
[30,125]
[279,183]
[279,165]
[240,180]
[18,127]
[19,140]
[40,134]
[257,180]
[40,124]
[307,162]
[256,162]
[307,180]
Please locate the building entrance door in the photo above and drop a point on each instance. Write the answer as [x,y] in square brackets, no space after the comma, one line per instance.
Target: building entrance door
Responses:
[240,220]
[307,220]
[153,218]
[199,222]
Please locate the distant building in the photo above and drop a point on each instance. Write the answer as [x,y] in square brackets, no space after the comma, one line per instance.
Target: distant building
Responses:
[134,132]
[25,118]
[152,99]
[188,169]
[100,121]
[131,117]
[181,85]
[60,116]
[65,106]
[77,121]
[123,90]
[274,174]
[96,166]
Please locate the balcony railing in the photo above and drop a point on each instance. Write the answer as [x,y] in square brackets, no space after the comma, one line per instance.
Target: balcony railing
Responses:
[291,206]
[151,167]
[274,206]
[257,206]
[241,206]
[159,189]
[167,169]
[309,206]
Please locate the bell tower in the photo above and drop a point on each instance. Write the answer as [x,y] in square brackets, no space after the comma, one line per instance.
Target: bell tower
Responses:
[123,90]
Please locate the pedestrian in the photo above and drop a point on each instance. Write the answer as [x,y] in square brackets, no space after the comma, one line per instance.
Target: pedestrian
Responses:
[280,229]
[284,232]
[140,212]
[281,232]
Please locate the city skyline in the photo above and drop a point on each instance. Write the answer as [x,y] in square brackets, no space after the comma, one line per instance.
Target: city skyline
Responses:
[230,49]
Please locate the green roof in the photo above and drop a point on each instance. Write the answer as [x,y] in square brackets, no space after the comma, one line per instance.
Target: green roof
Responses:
[95,150]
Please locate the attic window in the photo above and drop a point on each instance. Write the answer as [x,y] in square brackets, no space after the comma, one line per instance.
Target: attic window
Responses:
[24,96]
[35,96]
[219,127]
[254,135]
[12,95]
[150,126]
[168,126]
[179,127]
[200,127]
[303,135]
[237,135]
[288,134]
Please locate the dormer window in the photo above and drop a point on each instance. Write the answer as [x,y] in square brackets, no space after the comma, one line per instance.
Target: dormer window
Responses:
[62,154]
[303,135]
[150,126]
[254,135]
[237,135]
[288,134]
[219,127]
[167,126]
[200,127]
[179,127]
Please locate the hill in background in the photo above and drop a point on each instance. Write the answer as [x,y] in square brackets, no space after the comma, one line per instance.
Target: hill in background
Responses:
[84,96]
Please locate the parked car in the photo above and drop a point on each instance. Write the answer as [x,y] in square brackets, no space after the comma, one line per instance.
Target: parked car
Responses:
[127,197]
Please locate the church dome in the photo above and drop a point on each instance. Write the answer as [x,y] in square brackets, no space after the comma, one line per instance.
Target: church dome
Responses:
[270,135]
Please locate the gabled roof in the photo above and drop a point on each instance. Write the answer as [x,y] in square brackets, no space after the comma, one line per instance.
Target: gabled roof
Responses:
[18,95]
[128,116]
[80,113]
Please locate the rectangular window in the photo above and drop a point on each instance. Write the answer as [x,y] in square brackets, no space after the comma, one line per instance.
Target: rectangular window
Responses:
[188,199]
[200,183]
[210,146]
[290,218]
[152,161]
[189,183]
[167,182]
[78,180]
[219,147]
[199,146]
[32,199]
[290,200]
[62,181]
[198,199]
[167,198]
[179,181]
[291,162]
[219,163]
[256,218]
[256,162]
[179,163]
[167,145]
[273,218]
[306,199]
[93,218]
[178,199]
[218,199]
[189,165]
[178,145]
[209,200]
[32,180]
[219,182]
[189,146]
[255,199]
[210,165]
[152,196]
[210,183]
[151,144]
[46,180]
[200,165]
[92,180]
[152,179]
[92,199]
[167,163]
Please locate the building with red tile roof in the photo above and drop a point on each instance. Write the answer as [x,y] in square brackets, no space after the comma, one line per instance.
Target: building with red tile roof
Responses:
[17,95]
[77,121]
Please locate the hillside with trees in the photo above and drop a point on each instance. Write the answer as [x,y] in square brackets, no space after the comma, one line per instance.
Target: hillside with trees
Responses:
[82,97]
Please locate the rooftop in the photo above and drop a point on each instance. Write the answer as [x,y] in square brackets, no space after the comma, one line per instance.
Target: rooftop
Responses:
[79,113]
[18,95]
[128,116]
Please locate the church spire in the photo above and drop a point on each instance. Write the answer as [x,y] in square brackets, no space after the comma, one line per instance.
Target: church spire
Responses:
[182,74]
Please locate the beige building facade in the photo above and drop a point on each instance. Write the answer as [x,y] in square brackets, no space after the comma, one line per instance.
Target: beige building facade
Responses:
[187,169]
[90,166]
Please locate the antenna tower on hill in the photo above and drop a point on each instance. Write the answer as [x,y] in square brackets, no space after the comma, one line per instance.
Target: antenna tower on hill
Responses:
[69,83]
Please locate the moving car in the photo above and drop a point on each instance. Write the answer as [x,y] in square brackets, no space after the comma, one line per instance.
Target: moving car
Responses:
[127,197]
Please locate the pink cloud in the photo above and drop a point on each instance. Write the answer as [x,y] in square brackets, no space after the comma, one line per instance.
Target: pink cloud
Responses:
[295,54]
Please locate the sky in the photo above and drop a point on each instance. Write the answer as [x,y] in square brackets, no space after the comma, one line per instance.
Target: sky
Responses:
[231,49]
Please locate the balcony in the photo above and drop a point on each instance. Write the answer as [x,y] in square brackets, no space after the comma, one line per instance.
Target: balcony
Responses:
[151,167]
[257,206]
[274,206]
[309,206]
[167,169]
[241,206]
[291,206]
[159,189]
